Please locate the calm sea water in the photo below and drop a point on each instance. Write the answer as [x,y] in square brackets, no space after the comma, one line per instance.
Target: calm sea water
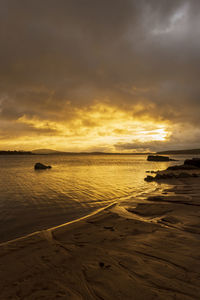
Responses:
[75,186]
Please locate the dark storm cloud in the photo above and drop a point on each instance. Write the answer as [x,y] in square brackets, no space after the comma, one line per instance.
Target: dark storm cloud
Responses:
[58,55]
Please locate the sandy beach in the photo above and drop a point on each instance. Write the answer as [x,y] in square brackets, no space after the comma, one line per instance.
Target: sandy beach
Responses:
[148,251]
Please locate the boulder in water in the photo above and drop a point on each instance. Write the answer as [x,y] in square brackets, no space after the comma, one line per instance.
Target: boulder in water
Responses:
[39,166]
[159,158]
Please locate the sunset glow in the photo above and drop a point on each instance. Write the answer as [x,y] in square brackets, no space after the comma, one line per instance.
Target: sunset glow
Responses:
[75,83]
[101,127]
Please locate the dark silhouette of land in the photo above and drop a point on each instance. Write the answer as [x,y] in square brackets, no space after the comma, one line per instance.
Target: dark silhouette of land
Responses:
[188,151]
[16,152]
[55,152]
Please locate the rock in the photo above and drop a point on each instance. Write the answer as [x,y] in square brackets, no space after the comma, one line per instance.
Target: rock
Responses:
[182,167]
[190,168]
[39,166]
[101,264]
[195,162]
[149,178]
[189,164]
[165,176]
[159,158]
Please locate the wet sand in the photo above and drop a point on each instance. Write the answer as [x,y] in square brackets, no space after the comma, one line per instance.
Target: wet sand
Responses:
[146,251]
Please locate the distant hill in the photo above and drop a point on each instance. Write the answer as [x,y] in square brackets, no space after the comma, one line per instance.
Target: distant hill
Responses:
[53,152]
[173,152]
[45,151]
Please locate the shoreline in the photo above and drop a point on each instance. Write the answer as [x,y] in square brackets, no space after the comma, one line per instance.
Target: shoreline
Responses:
[97,210]
[145,251]
[38,232]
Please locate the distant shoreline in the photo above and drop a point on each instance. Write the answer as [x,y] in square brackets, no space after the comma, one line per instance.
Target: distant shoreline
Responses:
[52,152]
[179,152]
[12,153]
[67,153]
[16,153]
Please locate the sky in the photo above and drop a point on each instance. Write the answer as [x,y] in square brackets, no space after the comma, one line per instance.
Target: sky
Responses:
[99,75]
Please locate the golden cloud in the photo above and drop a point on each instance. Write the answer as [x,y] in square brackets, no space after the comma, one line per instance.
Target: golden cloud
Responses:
[99,126]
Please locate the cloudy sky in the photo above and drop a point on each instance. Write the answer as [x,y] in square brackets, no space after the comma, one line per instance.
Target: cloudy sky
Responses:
[100,75]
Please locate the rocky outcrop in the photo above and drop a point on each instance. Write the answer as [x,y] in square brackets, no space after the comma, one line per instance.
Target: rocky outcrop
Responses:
[181,167]
[159,158]
[195,162]
[189,164]
[163,176]
[190,168]
[39,166]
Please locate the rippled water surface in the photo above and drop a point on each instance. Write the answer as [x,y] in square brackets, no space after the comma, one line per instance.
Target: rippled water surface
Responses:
[75,186]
